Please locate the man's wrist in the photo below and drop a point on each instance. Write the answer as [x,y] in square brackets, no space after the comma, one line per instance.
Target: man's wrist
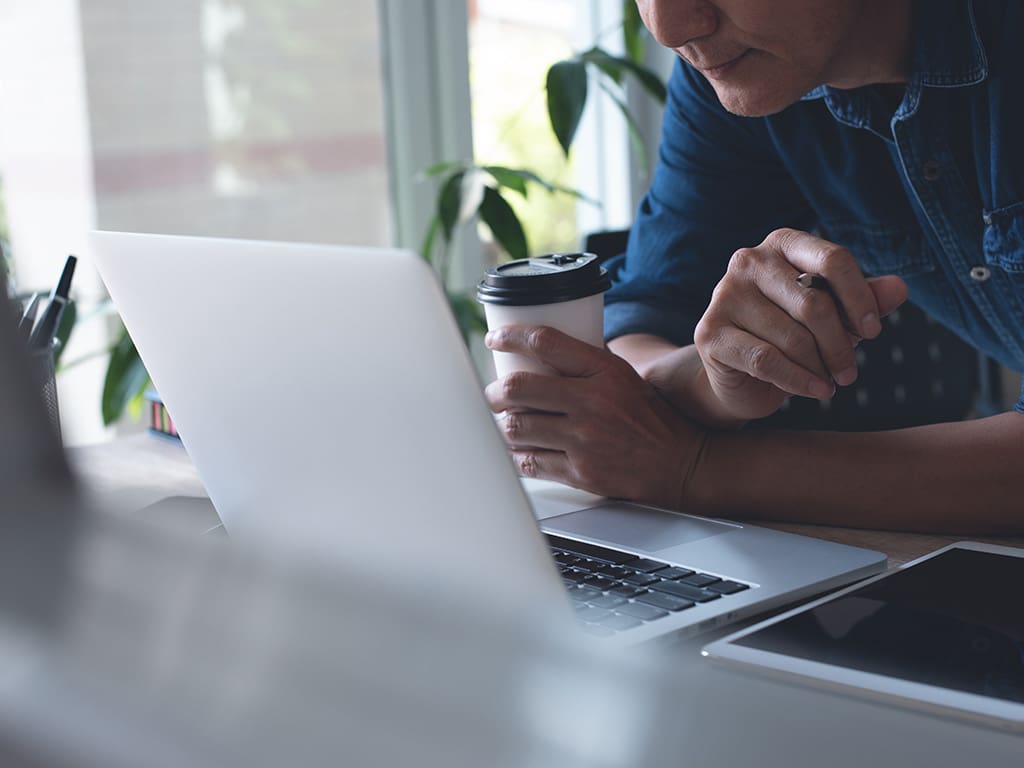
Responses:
[678,374]
[682,380]
[689,495]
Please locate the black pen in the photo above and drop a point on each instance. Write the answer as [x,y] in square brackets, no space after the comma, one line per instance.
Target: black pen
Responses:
[810,280]
[42,336]
[817,282]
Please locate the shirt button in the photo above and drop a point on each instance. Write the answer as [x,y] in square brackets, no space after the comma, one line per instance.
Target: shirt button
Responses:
[980,274]
[987,219]
[932,170]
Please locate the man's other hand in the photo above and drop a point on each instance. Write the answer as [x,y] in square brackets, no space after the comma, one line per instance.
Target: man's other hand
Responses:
[765,337]
[596,425]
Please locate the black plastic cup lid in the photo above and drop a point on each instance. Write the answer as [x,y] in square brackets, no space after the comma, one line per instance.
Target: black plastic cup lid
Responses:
[548,279]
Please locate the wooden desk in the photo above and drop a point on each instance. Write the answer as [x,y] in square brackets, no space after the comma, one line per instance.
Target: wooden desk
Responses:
[130,473]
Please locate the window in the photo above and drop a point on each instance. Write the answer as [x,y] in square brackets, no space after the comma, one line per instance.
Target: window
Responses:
[511,47]
[243,118]
[237,118]
[277,119]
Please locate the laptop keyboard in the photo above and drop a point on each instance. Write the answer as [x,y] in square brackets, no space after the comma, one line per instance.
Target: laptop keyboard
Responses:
[614,591]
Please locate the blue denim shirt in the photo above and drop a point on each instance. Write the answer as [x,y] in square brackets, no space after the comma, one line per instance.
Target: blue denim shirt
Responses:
[931,189]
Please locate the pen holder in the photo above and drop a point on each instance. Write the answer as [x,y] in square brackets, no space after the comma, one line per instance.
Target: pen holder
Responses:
[42,367]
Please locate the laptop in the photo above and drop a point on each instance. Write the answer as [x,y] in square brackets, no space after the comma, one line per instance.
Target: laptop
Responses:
[332,411]
[126,643]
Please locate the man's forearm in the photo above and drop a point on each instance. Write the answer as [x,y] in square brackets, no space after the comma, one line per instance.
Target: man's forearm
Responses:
[962,477]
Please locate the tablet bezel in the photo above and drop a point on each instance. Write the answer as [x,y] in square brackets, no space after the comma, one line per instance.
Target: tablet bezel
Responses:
[921,697]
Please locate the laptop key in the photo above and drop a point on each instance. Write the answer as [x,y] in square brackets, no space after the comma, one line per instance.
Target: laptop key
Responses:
[592,615]
[576,577]
[607,569]
[592,551]
[600,582]
[642,611]
[640,579]
[585,593]
[647,566]
[673,573]
[626,590]
[700,580]
[667,602]
[686,591]
[607,601]
[564,558]
[728,587]
[620,622]
[598,630]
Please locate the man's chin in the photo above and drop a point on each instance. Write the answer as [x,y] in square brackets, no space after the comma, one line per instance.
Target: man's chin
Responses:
[753,102]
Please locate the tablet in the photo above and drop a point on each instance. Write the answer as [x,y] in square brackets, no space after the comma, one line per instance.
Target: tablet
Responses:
[944,633]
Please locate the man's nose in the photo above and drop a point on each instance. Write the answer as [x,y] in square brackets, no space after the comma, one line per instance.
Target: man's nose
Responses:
[674,23]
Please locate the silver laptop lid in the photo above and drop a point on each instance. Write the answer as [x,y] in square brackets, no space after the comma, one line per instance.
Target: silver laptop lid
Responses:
[126,642]
[329,405]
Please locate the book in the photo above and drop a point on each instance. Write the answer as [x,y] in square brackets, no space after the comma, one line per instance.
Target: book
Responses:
[160,421]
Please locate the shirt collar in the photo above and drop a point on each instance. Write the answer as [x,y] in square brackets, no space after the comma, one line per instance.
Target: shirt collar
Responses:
[947,51]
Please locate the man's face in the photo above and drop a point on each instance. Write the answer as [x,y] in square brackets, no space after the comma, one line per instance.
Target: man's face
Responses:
[759,55]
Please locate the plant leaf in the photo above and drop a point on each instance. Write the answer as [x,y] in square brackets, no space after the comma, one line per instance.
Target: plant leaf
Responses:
[499,217]
[650,81]
[135,403]
[126,378]
[473,184]
[604,61]
[508,177]
[427,249]
[567,96]
[468,314]
[439,168]
[449,201]
[530,176]
[633,32]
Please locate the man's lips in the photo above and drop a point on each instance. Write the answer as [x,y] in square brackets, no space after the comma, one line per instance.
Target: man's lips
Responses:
[720,70]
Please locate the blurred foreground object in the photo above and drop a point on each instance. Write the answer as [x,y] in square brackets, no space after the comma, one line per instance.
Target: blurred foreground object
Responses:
[125,643]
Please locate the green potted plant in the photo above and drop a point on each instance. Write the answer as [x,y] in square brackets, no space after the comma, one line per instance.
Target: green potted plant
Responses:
[469,192]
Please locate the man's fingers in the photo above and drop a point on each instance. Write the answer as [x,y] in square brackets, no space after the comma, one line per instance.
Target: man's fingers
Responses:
[565,354]
[764,319]
[818,324]
[543,465]
[837,265]
[890,292]
[529,430]
[523,390]
[741,351]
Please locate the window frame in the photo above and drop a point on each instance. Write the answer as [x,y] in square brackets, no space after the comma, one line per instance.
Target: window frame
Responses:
[427,97]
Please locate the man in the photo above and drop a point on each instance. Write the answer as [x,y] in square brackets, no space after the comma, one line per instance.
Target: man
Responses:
[892,130]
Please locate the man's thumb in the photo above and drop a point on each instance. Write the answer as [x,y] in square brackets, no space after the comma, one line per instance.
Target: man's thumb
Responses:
[890,291]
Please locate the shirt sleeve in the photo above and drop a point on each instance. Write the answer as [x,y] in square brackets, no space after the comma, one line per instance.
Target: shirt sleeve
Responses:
[719,186]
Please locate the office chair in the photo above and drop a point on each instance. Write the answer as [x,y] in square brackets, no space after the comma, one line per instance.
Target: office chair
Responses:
[916,372]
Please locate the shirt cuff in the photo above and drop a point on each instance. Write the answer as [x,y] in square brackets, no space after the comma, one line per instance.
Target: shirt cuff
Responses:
[1019,406]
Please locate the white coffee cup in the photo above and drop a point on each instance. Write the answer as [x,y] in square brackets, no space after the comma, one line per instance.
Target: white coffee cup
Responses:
[564,291]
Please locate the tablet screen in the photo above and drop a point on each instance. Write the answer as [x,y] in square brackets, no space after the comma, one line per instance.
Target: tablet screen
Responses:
[955,620]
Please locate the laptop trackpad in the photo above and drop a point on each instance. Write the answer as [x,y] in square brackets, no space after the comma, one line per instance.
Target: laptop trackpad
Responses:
[628,526]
